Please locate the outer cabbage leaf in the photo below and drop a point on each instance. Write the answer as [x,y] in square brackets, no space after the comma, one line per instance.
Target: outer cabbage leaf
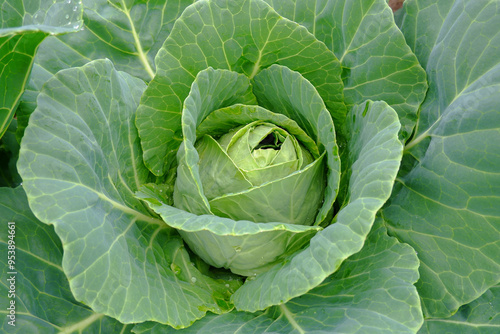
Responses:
[243,36]
[374,157]
[376,62]
[478,317]
[372,292]
[44,303]
[22,28]
[127,32]
[446,203]
[421,25]
[81,164]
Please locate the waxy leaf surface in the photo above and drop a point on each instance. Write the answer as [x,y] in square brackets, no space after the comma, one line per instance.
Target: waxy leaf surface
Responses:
[44,302]
[372,292]
[81,164]
[22,28]
[445,203]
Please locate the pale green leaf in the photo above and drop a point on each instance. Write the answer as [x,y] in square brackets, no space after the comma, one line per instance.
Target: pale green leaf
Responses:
[372,292]
[81,164]
[293,199]
[211,90]
[243,246]
[446,203]
[44,303]
[217,169]
[223,120]
[288,92]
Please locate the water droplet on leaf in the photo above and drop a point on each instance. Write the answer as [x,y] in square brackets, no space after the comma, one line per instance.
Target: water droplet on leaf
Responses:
[193,279]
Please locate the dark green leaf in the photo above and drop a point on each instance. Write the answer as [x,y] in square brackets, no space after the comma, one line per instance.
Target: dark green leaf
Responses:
[9,153]
[446,203]
[22,29]
[422,23]
[481,316]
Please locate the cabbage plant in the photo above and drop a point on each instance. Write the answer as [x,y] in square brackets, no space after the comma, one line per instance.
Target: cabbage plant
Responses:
[255,166]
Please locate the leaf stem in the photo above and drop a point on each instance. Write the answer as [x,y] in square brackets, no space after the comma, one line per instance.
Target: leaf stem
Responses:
[290,318]
[79,326]
[417,140]
[138,46]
